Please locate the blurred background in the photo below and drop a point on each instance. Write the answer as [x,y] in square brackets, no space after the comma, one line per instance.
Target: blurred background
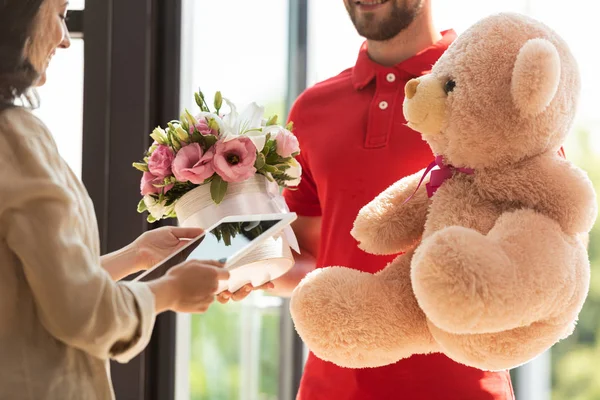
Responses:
[135,64]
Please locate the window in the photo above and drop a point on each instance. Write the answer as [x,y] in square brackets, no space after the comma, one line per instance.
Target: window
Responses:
[76,4]
[333,43]
[61,106]
[232,351]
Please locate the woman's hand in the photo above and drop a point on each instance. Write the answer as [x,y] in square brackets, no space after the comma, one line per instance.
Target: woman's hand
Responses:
[189,287]
[242,293]
[155,245]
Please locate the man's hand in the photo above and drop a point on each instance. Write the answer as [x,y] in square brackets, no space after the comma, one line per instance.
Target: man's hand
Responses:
[242,293]
[308,232]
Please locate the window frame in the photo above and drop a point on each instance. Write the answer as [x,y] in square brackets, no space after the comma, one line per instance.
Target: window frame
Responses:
[129,87]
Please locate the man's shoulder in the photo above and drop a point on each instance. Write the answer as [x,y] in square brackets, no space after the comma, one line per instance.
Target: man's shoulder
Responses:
[324,90]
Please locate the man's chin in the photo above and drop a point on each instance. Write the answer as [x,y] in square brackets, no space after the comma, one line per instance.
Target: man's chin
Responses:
[374,33]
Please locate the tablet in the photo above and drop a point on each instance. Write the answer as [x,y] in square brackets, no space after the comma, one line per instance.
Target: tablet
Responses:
[243,243]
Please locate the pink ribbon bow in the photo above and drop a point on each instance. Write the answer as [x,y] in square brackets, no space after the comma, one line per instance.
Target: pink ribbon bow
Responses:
[438,176]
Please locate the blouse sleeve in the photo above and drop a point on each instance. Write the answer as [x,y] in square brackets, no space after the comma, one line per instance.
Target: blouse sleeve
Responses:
[77,301]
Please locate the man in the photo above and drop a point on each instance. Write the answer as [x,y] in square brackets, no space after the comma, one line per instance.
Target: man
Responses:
[354,144]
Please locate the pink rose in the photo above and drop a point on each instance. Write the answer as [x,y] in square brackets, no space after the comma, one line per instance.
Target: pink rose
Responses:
[160,161]
[148,182]
[203,128]
[234,160]
[287,143]
[191,164]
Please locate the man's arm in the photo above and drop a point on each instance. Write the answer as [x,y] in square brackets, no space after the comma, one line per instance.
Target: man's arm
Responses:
[308,232]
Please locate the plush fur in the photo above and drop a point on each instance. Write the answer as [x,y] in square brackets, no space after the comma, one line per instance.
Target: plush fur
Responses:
[494,271]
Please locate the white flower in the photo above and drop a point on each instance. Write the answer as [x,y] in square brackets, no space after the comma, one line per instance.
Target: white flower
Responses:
[295,171]
[159,135]
[157,209]
[248,123]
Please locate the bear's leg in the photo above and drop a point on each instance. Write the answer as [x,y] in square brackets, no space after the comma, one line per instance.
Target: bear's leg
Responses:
[524,271]
[356,319]
[501,350]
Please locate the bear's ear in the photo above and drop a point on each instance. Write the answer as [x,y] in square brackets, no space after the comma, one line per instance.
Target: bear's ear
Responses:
[535,76]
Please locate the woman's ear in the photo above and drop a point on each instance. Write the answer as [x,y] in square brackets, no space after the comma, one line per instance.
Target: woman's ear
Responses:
[535,77]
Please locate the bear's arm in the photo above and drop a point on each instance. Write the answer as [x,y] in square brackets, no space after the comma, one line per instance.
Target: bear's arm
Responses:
[388,225]
[568,196]
[554,187]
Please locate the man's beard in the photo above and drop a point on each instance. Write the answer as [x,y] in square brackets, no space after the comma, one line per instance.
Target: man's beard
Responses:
[400,18]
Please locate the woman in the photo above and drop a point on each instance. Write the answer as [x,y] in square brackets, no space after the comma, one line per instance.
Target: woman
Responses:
[62,315]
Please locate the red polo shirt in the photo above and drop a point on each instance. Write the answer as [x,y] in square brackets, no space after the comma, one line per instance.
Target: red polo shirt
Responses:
[354,144]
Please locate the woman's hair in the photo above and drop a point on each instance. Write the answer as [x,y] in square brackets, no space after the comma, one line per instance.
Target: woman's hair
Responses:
[17,26]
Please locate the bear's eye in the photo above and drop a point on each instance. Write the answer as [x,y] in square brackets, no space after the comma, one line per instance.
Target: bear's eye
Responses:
[449,86]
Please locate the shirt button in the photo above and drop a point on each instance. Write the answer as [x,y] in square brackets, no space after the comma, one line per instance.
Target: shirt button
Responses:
[383,105]
[390,77]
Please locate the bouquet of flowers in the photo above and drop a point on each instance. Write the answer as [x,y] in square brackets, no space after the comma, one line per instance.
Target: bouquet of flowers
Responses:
[214,148]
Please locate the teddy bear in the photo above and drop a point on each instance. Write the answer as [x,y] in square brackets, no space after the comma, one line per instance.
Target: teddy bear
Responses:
[492,266]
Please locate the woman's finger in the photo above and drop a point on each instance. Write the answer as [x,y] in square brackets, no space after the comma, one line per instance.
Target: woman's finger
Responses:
[222,274]
[186,233]
[212,263]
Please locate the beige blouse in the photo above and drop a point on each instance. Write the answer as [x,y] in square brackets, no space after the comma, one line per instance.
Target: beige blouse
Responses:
[61,315]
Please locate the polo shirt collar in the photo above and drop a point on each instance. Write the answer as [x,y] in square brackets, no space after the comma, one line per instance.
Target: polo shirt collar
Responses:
[366,69]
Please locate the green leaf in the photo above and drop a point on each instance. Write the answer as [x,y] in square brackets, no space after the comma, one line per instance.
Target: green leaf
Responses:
[141,207]
[272,158]
[290,126]
[205,141]
[170,202]
[217,233]
[268,145]
[218,188]
[260,161]
[227,238]
[270,168]
[295,154]
[209,141]
[281,179]
[266,175]
[283,167]
[198,138]
[151,219]
[175,145]
[141,166]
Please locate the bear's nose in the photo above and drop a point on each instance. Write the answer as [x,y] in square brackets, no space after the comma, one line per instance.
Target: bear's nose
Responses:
[411,88]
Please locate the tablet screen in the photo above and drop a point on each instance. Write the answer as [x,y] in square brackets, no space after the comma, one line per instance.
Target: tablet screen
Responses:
[220,243]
